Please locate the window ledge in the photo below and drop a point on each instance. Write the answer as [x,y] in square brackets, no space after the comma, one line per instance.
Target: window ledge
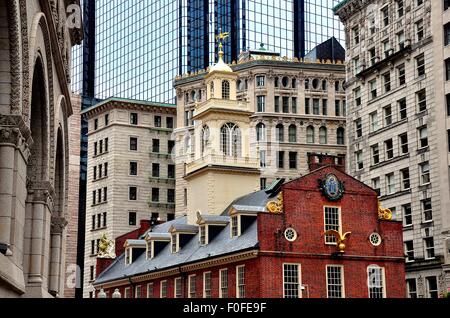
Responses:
[99,229]
[99,179]
[408,227]
[97,204]
[395,195]
[386,128]
[387,162]
[422,150]
[101,154]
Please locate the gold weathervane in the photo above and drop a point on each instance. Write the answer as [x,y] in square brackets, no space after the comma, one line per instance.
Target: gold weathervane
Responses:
[221,37]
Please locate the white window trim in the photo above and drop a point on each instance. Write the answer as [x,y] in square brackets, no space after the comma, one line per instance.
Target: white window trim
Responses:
[129,252]
[177,247]
[152,250]
[425,248]
[140,291]
[204,283]
[299,266]
[206,227]
[220,281]
[339,219]
[383,275]
[342,277]
[238,217]
[161,289]
[237,280]
[127,289]
[175,287]
[189,285]
[148,289]
[137,168]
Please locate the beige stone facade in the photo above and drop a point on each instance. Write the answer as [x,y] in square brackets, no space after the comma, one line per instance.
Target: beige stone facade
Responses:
[36,40]
[130,173]
[292,108]
[397,125]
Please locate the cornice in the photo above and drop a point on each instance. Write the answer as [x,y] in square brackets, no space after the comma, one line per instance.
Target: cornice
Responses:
[110,105]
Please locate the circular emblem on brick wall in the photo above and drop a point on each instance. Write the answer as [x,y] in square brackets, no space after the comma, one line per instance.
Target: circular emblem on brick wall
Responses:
[375,239]
[332,187]
[290,234]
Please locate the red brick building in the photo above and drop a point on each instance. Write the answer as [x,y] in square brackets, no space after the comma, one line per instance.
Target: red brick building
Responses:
[271,243]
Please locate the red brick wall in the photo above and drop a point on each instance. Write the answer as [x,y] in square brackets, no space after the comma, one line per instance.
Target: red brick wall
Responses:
[133,235]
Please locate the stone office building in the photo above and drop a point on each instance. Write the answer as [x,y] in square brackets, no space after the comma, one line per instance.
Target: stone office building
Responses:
[398,124]
[36,40]
[293,107]
[130,174]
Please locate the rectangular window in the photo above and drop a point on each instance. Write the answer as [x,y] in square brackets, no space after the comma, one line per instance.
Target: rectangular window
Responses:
[429,247]
[419,30]
[158,121]
[292,160]
[261,103]
[412,287]
[373,89]
[133,143]
[420,65]
[390,183]
[447,69]
[171,171]
[150,290]
[387,111]
[324,107]
[174,243]
[335,281]
[357,96]
[169,122]
[105,165]
[234,226]
[155,194]
[170,146]
[93,242]
[316,106]
[294,105]
[155,170]
[277,104]
[359,160]
[423,137]
[387,81]
[177,293]
[127,293]
[106,144]
[337,107]
[132,218]
[424,173]
[192,287]
[307,106]
[406,184]
[331,222]
[155,145]
[389,148]
[280,159]
[202,235]
[170,196]
[94,197]
[355,32]
[358,128]
[407,215]
[137,292]
[427,210]
[375,154]
[401,74]
[96,124]
[101,146]
[207,285]
[373,118]
[260,81]
[421,100]
[133,168]
[376,185]
[375,276]
[291,281]
[133,118]
[432,288]
[409,251]
[99,220]
[132,193]
[240,281]
[285,104]
[163,289]
[223,279]
[95,173]
[403,140]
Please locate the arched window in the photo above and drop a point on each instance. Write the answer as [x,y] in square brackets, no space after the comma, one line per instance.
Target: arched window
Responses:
[285,81]
[204,138]
[292,133]
[230,140]
[340,136]
[225,90]
[280,132]
[323,135]
[310,135]
[336,86]
[315,83]
[260,132]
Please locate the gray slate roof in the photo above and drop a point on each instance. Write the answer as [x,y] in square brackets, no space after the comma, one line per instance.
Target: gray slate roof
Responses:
[222,244]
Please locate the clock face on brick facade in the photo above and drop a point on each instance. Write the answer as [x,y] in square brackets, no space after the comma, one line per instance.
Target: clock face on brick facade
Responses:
[332,187]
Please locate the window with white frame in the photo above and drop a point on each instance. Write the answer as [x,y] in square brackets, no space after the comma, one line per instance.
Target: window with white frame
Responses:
[403,141]
[192,286]
[332,216]
[376,282]
[203,230]
[429,247]
[389,149]
[407,214]
[401,40]
[387,81]
[409,251]
[335,281]
[163,289]
[412,287]
[174,243]
[149,249]
[432,287]
[387,115]
[260,80]
[373,89]
[137,292]
[177,291]
[402,111]
[390,183]
[427,210]
[207,285]
[373,118]
[291,281]
[406,184]
[424,173]
[359,160]
[355,32]
[375,154]
[385,16]
[420,65]
[150,290]
[127,292]
[419,30]
[235,225]
[358,127]
[240,281]
[128,255]
[223,281]
[376,185]
[357,96]
[423,137]
[421,97]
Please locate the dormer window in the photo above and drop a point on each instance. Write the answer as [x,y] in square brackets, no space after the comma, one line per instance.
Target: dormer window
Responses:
[149,250]
[203,235]
[235,226]
[175,243]
[128,256]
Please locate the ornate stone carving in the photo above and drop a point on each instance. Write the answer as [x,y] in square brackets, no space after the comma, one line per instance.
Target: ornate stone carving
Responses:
[58,224]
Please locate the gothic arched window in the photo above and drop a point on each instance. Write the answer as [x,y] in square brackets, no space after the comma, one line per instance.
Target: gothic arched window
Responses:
[292,133]
[310,135]
[225,90]
[280,132]
[230,140]
[322,135]
[260,132]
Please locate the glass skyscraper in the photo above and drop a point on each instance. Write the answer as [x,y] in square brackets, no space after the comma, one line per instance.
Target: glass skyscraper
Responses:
[137,47]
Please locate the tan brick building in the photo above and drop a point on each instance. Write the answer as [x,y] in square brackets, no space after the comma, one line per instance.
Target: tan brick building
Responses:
[398,124]
[294,107]
[36,40]
[130,173]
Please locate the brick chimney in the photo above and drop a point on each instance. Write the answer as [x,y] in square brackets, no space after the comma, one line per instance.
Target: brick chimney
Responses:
[319,160]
